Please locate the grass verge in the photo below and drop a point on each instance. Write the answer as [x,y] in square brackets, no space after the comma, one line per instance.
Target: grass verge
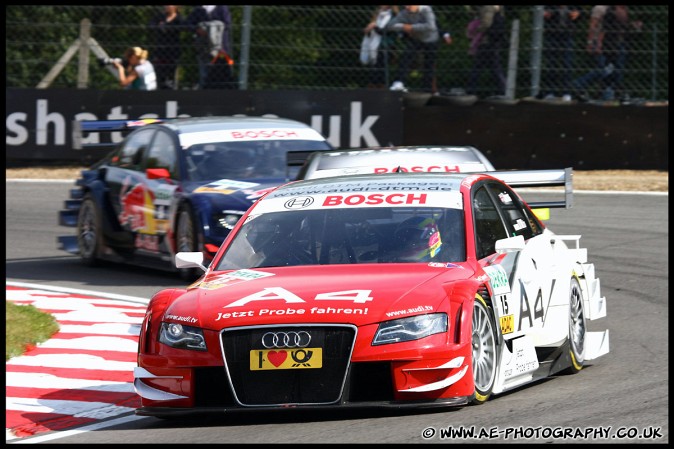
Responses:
[26,326]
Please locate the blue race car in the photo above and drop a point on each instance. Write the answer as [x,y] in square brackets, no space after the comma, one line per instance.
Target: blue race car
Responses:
[178,185]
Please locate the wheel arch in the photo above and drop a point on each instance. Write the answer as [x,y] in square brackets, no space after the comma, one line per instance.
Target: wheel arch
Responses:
[184,202]
[97,190]
[202,209]
[463,295]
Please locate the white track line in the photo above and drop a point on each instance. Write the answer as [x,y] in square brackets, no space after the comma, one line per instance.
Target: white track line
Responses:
[49,381]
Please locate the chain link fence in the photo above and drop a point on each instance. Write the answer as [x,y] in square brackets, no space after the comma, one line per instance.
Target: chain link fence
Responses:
[318,47]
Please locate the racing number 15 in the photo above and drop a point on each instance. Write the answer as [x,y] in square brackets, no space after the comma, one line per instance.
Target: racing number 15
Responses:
[504,303]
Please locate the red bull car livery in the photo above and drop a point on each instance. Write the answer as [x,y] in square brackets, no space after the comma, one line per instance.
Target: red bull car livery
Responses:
[177,185]
[379,290]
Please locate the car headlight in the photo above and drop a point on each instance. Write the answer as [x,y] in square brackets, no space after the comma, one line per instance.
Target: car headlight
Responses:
[412,328]
[182,337]
[227,219]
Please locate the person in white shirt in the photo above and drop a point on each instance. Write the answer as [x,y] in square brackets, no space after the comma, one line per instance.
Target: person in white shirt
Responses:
[139,72]
[420,36]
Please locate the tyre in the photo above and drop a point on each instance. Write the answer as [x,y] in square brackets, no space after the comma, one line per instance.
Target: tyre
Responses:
[89,231]
[484,351]
[577,327]
[187,239]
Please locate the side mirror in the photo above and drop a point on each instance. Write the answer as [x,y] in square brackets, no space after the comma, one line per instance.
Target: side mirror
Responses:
[510,244]
[190,260]
[157,173]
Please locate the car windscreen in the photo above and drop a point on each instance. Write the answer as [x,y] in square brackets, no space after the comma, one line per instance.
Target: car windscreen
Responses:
[334,236]
[246,159]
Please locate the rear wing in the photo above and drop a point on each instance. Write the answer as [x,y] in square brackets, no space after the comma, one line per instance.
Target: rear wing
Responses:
[540,178]
[296,159]
[87,126]
[514,178]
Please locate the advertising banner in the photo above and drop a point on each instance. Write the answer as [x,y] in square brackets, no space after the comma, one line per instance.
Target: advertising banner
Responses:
[39,122]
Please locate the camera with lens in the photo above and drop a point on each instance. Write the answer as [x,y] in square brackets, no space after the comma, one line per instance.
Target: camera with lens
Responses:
[110,61]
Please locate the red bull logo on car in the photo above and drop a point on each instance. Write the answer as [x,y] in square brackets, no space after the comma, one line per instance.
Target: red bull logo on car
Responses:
[142,211]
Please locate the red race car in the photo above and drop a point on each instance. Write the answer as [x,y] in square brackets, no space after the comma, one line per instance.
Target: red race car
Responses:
[416,158]
[399,289]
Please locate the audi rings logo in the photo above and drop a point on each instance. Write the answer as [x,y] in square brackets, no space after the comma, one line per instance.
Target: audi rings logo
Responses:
[299,203]
[290,339]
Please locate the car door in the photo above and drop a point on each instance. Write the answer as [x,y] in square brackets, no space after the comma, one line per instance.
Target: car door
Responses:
[162,179]
[525,299]
[126,182]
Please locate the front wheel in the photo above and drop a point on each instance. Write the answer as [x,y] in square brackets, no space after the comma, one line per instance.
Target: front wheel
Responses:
[484,351]
[89,231]
[577,327]
[187,239]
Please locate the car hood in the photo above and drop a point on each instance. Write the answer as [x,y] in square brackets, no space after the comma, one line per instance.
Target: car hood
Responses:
[232,193]
[355,294]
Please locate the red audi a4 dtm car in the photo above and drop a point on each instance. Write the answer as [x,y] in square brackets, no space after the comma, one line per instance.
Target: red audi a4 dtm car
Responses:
[401,289]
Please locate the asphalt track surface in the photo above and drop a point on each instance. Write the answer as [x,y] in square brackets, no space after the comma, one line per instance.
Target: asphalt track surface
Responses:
[622,398]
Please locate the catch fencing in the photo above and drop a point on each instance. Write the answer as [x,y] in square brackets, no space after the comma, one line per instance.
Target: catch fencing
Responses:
[317,48]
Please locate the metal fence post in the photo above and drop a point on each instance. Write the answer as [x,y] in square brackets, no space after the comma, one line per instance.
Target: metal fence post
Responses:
[245,46]
[511,78]
[536,50]
[83,66]
[654,64]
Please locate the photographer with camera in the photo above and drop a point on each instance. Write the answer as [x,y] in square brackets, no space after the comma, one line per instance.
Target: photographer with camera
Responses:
[136,71]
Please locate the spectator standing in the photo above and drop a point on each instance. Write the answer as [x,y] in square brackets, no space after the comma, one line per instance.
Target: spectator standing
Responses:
[446,36]
[489,37]
[167,27]
[472,32]
[211,25]
[138,72]
[607,42]
[595,37]
[560,23]
[618,30]
[420,37]
[383,42]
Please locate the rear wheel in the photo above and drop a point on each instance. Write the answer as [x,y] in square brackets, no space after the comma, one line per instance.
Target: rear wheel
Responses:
[89,231]
[484,351]
[187,239]
[577,327]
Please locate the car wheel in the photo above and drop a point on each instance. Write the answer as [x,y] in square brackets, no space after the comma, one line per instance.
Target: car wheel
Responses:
[484,351]
[577,327]
[187,239]
[89,231]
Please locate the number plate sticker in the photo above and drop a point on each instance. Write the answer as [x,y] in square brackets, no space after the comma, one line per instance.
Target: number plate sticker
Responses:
[266,359]
[507,324]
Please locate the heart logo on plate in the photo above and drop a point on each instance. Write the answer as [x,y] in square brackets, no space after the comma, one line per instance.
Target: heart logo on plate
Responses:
[277,357]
